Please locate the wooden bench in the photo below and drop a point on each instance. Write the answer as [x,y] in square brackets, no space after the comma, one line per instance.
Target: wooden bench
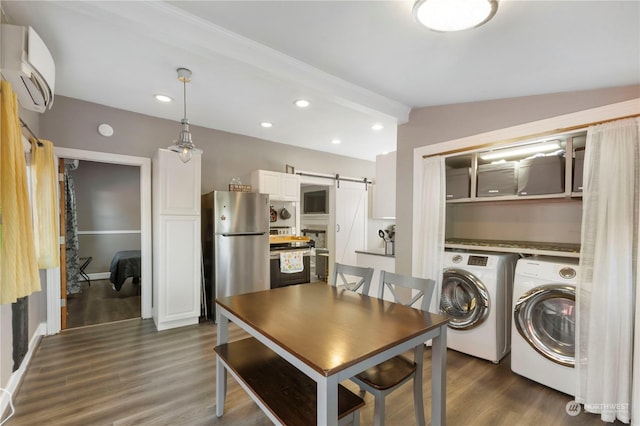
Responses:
[277,386]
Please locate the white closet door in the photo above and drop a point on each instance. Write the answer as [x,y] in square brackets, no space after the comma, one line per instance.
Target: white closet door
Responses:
[351,221]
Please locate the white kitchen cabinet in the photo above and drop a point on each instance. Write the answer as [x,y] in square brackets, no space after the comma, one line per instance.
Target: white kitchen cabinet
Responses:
[384,190]
[176,240]
[378,263]
[279,186]
[177,184]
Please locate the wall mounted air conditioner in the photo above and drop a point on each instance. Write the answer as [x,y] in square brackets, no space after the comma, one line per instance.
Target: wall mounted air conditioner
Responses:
[28,65]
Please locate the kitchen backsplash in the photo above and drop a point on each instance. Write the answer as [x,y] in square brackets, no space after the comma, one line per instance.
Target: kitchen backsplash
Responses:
[316,233]
[284,209]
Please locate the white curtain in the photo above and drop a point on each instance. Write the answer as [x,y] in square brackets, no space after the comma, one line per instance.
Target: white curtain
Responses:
[431,224]
[606,296]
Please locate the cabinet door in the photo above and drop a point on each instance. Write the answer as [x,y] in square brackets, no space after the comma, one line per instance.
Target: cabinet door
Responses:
[177,184]
[351,221]
[177,271]
[290,187]
[269,183]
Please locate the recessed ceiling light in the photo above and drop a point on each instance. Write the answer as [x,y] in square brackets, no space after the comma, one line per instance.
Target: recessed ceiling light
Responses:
[336,141]
[266,124]
[302,103]
[377,126]
[163,98]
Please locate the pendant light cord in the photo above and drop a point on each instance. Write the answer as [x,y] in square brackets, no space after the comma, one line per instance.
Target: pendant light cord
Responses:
[184,97]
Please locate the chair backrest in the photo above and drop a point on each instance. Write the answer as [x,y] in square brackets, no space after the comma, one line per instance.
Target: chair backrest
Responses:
[424,288]
[348,273]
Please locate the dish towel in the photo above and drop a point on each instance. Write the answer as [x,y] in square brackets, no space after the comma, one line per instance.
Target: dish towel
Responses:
[291,262]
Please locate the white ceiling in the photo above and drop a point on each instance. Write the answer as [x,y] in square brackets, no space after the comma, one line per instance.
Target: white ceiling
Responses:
[358,62]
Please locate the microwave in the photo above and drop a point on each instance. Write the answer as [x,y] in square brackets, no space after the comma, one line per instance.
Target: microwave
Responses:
[315,202]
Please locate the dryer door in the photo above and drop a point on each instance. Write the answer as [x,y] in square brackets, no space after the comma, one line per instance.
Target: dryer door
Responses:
[464,299]
[545,318]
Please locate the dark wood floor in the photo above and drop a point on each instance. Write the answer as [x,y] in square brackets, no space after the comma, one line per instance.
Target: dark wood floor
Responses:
[127,373]
[100,303]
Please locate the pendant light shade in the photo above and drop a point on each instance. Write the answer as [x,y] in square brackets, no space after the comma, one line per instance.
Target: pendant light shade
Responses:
[184,145]
[454,15]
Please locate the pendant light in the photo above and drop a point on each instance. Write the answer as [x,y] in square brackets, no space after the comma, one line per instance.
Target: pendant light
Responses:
[184,145]
[454,15]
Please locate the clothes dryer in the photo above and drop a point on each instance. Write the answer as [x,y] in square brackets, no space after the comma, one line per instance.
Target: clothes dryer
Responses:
[476,296]
[544,321]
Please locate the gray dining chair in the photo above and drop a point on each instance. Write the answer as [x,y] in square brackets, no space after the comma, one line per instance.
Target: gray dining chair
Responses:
[352,278]
[389,375]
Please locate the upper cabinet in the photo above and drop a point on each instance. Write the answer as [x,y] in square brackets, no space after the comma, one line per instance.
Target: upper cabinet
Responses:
[542,168]
[176,184]
[279,186]
[384,191]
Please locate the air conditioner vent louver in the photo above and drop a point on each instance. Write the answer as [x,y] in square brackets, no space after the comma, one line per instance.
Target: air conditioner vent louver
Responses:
[28,66]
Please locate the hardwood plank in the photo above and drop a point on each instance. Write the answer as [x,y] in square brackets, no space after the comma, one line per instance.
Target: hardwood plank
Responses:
[100,303]
[127,373]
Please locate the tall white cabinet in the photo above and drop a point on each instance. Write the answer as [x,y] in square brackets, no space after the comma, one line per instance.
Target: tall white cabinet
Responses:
[176,240]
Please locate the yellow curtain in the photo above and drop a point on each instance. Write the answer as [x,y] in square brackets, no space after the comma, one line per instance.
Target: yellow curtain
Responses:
[19,270]
[45,204]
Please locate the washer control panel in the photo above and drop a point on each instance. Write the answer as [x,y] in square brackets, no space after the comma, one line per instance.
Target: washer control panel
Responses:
[477,260]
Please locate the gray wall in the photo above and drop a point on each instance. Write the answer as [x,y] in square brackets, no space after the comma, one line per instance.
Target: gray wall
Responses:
[437,124]
[73,124]
[107,199]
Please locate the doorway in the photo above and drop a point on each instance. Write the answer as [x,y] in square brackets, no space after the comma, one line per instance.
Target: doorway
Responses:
[102,241]
[54,297]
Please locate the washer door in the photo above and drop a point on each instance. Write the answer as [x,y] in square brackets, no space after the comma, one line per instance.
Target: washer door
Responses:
[545,318]
[464,299]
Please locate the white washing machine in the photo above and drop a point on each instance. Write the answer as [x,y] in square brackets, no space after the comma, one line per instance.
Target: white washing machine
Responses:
[476,296]
[544,321]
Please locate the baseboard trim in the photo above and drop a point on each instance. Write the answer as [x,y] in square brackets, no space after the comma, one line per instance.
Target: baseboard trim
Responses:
[16,377]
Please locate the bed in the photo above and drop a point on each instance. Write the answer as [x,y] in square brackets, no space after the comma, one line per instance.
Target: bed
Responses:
[125,264]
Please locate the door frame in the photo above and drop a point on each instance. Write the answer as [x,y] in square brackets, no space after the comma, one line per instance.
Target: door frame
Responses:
[146,285]
[330,236]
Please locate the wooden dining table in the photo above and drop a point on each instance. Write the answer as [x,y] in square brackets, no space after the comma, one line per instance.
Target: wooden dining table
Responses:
[328,334]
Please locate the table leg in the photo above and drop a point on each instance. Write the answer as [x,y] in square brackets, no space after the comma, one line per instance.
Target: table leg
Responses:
[439,378]
[221,372]
[327,411]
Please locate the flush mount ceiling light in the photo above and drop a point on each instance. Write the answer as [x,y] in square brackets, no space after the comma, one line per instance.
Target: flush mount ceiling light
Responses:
[453,15]
[162,98]
[302,103]
[184,146]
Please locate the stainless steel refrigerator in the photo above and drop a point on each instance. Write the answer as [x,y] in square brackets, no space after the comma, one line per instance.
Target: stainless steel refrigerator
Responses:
[235,244]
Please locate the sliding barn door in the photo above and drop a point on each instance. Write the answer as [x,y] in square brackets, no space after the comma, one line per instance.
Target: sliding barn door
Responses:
[351,220]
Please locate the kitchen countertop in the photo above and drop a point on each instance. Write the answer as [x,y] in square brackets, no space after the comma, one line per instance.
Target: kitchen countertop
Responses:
[279,239]
[375,252]
[526,247]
